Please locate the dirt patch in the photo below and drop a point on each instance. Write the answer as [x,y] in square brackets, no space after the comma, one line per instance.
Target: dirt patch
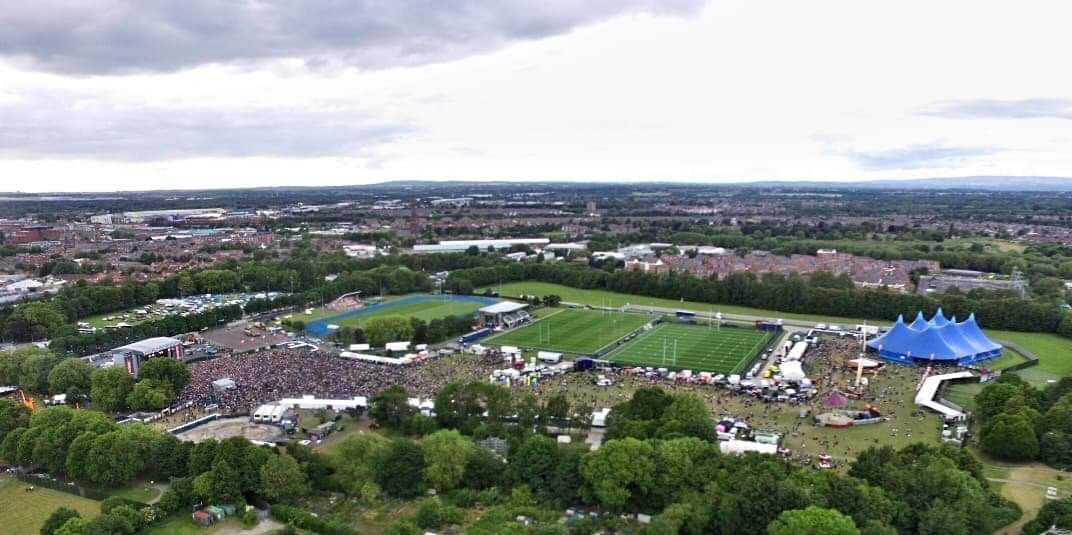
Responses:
[233,427]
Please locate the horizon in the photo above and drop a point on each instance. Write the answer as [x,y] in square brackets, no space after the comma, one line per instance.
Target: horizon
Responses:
[965,183]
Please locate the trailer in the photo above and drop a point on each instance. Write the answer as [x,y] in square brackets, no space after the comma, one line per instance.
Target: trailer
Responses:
[770,326]
[474,336]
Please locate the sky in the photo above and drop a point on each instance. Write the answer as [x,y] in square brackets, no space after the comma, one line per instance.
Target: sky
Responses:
[108,95]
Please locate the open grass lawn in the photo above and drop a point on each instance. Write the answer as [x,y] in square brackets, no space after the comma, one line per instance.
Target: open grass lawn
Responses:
[575,331]
[1007,359]
[180,524]
[425,310]
[693,347]
[963,394]
[905,426]
[1054,353]
[24,512]
[183,524]
[137,492]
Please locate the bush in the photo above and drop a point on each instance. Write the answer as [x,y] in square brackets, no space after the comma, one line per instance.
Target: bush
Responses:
[420,425]
[249,518]
[305,520]
[110,503]
[403,527]
[464,498]
[434,514]
[169,502]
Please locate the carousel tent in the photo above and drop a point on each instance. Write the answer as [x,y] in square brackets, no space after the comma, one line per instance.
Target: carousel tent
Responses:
[836,400]
[939,340]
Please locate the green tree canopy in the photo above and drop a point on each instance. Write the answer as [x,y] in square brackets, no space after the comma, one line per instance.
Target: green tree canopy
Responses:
[283,480]
[110,388]
[812,521]
[445,455]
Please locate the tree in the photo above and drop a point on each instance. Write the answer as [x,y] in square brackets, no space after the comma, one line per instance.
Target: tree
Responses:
[187,286]
[170,371]
[401,470]
[619,471]
[109,388]
[57,519]
[122,520]
[70,376]
[111,502]
[391,407]
[356,459]
[1065,327]
[73,526]
[1055,513]
[812,521]
[150,395]
[282,479]
[445,455]
[226,483]
[558,408]
[943,519]
[687,415]
[1010,436]
[380,331]
[13,415]
[434,514]
[34,370]
[483,470]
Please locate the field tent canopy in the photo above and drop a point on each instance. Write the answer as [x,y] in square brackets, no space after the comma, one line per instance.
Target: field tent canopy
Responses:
[836,400]
[937,340]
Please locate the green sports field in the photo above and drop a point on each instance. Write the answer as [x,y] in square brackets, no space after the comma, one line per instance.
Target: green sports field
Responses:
[693,347]
[575,331]
[1054,352]
[425,310]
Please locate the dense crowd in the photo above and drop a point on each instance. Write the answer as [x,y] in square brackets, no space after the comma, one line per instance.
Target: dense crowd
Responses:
[268,376]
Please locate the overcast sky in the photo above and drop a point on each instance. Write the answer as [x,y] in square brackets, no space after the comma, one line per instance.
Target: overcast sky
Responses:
[104,95]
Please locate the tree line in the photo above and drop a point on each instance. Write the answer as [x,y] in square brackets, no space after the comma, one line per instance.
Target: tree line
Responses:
[660,458]
[819,294]
[40,372]
[1019,422]
[308,278]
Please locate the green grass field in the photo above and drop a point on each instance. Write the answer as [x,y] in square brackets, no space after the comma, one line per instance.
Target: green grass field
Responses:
[25,512]
[426,310]
[693,347]
[1054,352]
[575,331]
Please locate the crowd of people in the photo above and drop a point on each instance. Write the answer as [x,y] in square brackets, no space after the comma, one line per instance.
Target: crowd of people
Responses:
[268,376]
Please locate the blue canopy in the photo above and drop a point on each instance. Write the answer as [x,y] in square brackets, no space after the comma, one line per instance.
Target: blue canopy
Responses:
[937,340]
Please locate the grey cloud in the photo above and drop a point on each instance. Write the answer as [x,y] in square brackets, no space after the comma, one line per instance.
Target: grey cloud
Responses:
[1031,108]
[917,156]
[126,36]
[62,125]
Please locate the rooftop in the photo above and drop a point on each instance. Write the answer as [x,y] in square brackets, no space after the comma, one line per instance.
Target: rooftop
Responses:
[503,308]
[150,345]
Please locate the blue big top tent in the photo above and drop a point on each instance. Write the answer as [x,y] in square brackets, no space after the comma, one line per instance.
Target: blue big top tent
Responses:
[938,340]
